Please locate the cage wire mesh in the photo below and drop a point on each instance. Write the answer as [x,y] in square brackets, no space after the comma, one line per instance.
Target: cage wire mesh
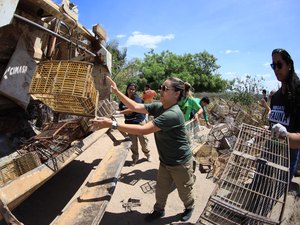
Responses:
[67,86]
[192,129]
[254,184]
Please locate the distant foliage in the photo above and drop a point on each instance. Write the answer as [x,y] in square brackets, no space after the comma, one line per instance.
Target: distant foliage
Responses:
[197,69]
[245,91]
[118,56]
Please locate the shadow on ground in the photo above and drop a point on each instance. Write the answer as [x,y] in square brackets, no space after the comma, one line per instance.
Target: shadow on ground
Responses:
[42,207]
[134,176]
[135,217]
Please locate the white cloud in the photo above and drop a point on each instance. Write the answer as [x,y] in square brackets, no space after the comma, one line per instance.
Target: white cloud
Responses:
[121,36]
[147,40]
[228,51]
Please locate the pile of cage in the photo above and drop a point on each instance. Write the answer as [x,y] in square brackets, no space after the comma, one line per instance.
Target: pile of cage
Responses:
[254,184]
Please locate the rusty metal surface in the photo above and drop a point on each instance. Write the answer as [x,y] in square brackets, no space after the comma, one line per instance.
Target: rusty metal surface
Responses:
[54,139]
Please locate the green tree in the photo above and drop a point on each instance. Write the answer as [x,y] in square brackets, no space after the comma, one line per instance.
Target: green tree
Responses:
[245,90]
[118,56]
[131,73]
[198,69]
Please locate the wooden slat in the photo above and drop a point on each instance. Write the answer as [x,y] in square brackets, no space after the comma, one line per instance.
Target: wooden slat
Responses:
[89,207]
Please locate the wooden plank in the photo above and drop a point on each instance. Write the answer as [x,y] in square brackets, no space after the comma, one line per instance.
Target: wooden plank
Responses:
[89,207]
[16,191]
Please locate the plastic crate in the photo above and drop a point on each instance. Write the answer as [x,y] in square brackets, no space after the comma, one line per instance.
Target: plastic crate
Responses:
[65,86]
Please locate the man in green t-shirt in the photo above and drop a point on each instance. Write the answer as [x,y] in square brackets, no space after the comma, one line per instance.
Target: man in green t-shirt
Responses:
[202,110]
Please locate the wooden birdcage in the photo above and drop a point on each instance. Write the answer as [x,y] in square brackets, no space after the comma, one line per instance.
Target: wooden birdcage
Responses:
[65,86]
[254,184]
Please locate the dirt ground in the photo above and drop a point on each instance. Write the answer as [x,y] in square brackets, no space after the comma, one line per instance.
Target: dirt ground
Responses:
[135,182]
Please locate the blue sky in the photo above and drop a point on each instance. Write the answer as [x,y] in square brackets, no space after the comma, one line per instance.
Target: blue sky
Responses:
[241,34]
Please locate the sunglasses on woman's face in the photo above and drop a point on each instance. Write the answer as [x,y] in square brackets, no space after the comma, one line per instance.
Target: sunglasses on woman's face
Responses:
[278,65]
[164,88]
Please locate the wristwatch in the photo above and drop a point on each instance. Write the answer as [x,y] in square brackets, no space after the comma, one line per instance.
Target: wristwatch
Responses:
[114,125]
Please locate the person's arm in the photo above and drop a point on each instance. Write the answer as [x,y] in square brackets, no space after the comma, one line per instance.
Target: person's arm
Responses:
[125,111]
[203,111]
[205,114]
[131,105]
[104,122]
[198,113]
[294,139]
[264,104]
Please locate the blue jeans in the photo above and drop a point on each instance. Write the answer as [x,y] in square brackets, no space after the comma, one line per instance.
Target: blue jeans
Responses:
[294,157]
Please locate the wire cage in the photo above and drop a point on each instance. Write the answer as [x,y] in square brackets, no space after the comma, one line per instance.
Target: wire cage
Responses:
[65,86]
[18,166]
[254,184]
[192,129]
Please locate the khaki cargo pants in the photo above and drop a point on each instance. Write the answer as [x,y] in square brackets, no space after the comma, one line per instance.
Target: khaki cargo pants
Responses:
[183,177]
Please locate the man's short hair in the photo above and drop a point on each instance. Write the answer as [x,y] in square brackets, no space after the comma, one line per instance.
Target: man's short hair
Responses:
[205,99]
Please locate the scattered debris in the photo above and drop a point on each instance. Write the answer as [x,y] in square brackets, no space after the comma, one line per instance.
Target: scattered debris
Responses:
[149,187]
[132,202]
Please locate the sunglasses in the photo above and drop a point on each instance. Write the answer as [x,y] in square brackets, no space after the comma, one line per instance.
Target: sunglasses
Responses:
[278,65]
[164,88]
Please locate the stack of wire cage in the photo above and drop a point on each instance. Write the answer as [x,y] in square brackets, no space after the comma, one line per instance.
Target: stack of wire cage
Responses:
[254,184]
[66,86]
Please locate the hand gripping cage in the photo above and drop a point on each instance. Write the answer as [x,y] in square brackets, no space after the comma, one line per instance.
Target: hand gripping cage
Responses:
[66,86]
[254,184]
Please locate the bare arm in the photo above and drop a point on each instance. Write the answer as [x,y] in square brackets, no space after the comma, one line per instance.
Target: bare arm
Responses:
[125,111]
[198,113]
[103,122]
[265,105]
[294,139]
[131,105]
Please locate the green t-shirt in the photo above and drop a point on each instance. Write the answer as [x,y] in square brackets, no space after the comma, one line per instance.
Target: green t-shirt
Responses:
[204,110]
[171,141]
[188,105]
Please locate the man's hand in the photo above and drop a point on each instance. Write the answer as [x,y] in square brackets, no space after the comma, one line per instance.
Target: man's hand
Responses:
[99,123]
[113,85]
[278,131]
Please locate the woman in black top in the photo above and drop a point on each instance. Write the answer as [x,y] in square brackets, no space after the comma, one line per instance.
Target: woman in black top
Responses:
[285,104]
